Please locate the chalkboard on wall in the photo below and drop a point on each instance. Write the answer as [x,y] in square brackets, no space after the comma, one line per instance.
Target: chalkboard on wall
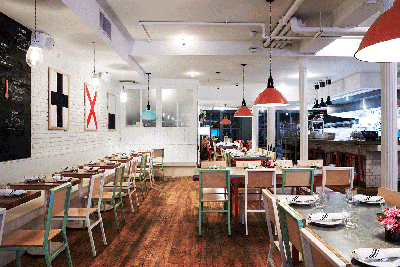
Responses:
[15,90]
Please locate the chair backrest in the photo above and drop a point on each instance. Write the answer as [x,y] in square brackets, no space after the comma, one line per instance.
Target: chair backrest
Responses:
[206,164]
[261,178]
[96,187]
[298,177]
[317,252]
[245,163]
[214,178]
[287,162]
[391,197]
[159,153]
[2,219]
[119,179]
[337,176]
[291,223]
[272,155]
[60,195]
[309,163]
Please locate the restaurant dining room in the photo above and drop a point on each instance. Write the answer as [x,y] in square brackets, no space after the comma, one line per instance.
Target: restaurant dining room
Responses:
[199,133]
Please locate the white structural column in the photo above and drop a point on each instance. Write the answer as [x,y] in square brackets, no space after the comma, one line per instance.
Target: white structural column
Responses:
[303,110]
[271,126]
[389,158]
[254,128]
[389,161]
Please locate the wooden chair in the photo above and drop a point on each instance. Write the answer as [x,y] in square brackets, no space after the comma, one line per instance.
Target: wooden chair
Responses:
[391,197]
[337,176]
[298,177]
[287,162]
[245,163]
[317,252]
[271,212]
[291,223]
[82,214]
[216,155]
[129,184]
[254,182]
[141,175]
[309,163]
[205,164]
[211,179]
[149,168]
[114,197]
[158,161]
[2,220]
[272,155]
[21,240]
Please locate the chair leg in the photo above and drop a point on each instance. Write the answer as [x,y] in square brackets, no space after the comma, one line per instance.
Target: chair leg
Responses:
[130,198]
[123,212]
[245,218]
[102,228]
[115,213]
[163,173]
[200,206]
[47,256]
[229,218]
[91,237]
[18,258]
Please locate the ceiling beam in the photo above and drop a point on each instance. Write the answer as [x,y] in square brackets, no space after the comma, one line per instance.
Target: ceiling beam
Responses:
[352,12]
[88,12]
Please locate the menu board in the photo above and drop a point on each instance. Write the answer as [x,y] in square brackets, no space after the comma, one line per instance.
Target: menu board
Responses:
[15,90]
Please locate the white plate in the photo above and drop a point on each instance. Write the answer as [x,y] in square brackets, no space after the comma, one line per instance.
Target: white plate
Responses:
[328,223]
[381,263]
[307,202]
[372,202]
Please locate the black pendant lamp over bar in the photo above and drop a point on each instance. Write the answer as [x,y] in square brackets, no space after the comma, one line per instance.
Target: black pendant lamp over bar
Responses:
[328,99]
[322,104]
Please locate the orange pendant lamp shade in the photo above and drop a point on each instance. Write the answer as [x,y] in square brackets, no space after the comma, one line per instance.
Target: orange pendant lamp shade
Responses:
[270,97]
[243,111]
[382,41]
[225,121]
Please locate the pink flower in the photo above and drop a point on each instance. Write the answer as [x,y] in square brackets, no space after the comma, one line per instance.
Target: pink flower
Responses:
[389,224]
[380,218]
[392,212]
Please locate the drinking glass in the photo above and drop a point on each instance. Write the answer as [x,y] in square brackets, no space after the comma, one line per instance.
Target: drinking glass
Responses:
[352,219]
[384,206]
[349,194]
[42,177]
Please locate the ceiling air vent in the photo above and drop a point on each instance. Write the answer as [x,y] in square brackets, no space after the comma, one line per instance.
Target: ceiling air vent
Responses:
[105,25]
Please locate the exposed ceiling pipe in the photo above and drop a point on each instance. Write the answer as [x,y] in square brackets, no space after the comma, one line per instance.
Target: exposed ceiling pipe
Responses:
[297,27]
[283,21]
[282,33]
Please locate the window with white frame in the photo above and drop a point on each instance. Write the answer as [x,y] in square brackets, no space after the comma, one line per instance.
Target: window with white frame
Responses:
[177,107]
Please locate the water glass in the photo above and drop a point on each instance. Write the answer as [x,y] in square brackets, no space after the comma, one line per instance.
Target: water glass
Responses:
[349,195]
[384,206]
[352,219]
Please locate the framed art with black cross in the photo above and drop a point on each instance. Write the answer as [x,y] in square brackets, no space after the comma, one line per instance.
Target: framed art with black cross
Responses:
[58,100]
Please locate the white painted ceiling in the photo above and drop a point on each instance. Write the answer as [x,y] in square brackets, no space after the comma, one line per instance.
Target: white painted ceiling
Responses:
[74,37]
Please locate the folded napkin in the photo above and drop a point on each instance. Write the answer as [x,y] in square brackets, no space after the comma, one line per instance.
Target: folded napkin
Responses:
[91,168]
[123,157]
[368,254]
[6,192]
[18,192]
[92,162]
[62,179]
[364,198]
[67,169]
[110,162]
[327,216]
[108,157]
[31,178]
[297,198]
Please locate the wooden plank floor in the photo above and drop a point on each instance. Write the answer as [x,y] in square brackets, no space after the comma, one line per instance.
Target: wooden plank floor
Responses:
[163,231]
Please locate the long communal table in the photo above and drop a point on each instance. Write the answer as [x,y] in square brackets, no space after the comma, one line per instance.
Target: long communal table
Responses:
[237,174]
[369,233]
[12,202]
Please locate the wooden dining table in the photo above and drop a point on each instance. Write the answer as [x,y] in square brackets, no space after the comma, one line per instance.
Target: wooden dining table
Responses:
[14,201]
[368,234]
[237,175]
[81,174]
[105,166]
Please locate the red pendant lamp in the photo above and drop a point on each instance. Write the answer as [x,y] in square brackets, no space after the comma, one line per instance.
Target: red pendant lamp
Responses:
[382,41]
[243,111]
[270,97]
[225,121]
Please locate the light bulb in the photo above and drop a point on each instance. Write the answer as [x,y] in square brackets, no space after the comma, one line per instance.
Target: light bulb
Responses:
[94,81]
[34,56]
[123,97]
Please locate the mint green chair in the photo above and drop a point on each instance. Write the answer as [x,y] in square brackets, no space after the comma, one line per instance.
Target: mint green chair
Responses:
[158,161]
[21,240]
[216,155]
[297,177]
[291,224]
[211,179]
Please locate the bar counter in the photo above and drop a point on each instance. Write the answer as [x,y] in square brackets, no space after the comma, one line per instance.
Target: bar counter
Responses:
[368,151]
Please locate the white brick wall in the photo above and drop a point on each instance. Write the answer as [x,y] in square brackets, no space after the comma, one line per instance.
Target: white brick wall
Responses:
[52,149]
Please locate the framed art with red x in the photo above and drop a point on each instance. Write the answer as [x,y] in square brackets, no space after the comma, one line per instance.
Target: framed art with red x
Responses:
[91,99]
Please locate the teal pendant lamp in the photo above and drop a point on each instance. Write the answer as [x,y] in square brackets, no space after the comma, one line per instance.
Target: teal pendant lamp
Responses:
[148,114]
